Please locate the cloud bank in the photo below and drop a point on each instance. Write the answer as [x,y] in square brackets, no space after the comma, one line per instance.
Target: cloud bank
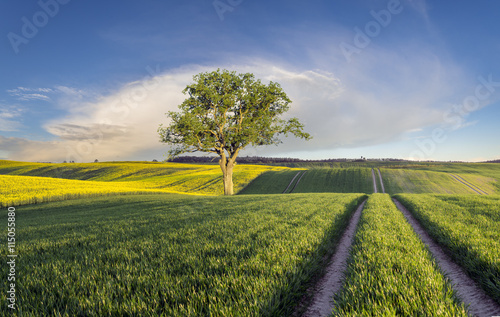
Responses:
[375,100]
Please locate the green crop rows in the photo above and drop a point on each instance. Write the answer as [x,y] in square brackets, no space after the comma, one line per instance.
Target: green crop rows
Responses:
[390,272]
[272,182]
[417,182]
[174,255]
[324,180]
[337,180]
[469,227]
[247,255]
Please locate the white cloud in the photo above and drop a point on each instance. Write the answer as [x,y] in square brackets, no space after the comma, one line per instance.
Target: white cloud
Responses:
[28,94]
[373,101]
[7,116]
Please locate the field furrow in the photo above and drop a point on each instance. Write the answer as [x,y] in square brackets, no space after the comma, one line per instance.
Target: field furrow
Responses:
[468,228]
[390,272]
[271,182]
[471,186]
[477,301]
[298,181]
[381,181]
[421,182]
[331,282]
[292,183]
[375,189]
[336,180]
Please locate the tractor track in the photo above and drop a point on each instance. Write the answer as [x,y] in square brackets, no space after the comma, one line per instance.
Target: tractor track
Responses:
[331,283]
[381,181]
[291,182]
[374,182]
[480,304]
[295,185]
[471,186]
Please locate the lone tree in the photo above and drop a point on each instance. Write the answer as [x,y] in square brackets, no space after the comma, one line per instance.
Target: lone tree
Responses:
[224,113]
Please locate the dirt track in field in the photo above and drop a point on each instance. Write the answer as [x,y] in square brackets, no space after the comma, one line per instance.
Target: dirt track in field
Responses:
[331,282]
[374,182]
[291,182]
[381,181]
[468,291]
[466,183]
[298,181]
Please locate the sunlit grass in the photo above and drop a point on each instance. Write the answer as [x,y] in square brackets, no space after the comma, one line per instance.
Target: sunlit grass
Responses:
[174,255]
[469,227]
[417,182]
[390,272]
[42,182]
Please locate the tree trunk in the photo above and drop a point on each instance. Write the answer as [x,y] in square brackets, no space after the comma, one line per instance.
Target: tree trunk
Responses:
[227,166]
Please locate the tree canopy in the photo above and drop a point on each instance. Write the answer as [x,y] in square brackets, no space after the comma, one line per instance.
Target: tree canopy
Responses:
[224,113]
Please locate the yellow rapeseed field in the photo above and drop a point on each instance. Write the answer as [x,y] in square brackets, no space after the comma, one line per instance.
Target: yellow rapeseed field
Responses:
[29,183]
[23,190]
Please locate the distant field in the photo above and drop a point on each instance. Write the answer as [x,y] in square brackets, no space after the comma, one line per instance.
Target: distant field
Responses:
[175,255]
[491,171]
[469,227]
[423,181]
[336,180]
[272,182]
[25,190]
[51,179]
[323,180]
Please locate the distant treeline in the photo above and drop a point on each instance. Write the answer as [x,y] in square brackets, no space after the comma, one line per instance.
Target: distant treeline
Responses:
[267,160]
[241,160]
[494,161]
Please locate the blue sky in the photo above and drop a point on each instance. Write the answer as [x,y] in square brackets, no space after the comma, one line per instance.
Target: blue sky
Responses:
[85,80]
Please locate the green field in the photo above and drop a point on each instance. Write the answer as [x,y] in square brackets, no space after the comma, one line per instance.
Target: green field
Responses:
[173,254]
[486,175]
[489,173]
[97,247]
[345,180]
[272,182]
[324,180]
[421,181]
[43,182]
[468,226]
[359,180]
[390,272]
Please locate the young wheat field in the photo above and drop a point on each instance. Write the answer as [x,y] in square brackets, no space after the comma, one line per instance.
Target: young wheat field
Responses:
[160,239]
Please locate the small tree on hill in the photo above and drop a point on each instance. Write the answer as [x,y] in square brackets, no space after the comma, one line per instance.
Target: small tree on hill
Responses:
[224,113]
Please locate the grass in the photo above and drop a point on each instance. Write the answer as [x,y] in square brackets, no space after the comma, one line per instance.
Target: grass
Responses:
[173,255]
[42,182]
[117,253]
[489,173]
[271,182]
[25,190]
[337,180]
[468,227]
[390,271]
[485,184]
[421,182]
[324,180]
